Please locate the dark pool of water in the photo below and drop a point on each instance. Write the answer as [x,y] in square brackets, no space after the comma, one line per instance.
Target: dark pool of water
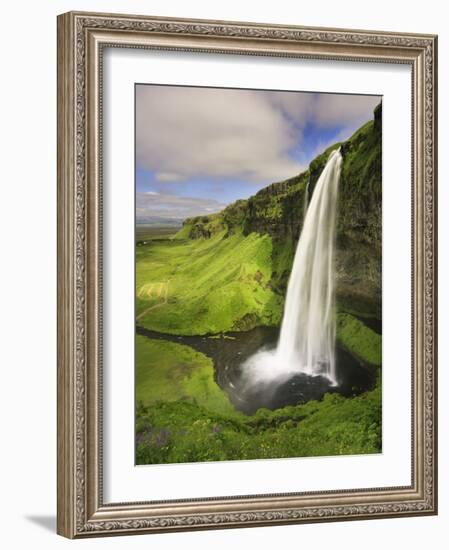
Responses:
[229,352]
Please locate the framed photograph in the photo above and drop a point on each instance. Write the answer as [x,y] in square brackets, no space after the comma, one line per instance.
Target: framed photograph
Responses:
[246,274]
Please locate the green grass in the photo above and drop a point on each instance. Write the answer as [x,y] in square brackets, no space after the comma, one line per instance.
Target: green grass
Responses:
[166,371]
[183,416]
[359,339]
[181,431]
[183,233]
[213,285]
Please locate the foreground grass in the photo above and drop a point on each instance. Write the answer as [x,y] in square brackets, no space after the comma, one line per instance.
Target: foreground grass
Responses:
[180,431]
[183,416]
[206,286]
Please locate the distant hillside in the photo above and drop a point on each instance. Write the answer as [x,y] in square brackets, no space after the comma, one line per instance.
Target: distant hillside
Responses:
[158,221]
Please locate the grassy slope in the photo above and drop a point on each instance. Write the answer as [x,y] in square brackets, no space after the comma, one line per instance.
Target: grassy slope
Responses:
[214,285]
[222,283]
[169,372]
[180,431]
[183,416]
[359,339]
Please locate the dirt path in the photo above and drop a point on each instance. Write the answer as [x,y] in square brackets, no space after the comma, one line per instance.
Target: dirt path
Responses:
[153,290]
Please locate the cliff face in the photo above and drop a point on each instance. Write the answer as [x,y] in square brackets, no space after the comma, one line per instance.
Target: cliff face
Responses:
[278,210]
[359,225]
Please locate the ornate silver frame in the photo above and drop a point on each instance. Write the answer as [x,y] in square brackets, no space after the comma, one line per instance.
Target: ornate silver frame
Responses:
[81,38]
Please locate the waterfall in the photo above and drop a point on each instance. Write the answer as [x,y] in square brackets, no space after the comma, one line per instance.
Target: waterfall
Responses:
[307,338]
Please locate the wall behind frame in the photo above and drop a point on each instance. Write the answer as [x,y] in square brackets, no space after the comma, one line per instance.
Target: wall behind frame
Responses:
[28,274]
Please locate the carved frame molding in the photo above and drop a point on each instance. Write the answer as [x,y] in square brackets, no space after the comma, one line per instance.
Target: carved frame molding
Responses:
[81,39]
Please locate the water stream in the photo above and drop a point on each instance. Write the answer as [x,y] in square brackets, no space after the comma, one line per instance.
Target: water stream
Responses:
[229,353]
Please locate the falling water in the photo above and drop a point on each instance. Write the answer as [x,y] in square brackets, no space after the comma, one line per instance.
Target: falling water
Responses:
[307,338]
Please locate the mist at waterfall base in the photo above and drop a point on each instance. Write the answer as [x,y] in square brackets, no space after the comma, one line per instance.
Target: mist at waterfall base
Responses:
[305,353]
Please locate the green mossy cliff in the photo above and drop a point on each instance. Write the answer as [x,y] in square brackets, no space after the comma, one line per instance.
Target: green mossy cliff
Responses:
[278,210]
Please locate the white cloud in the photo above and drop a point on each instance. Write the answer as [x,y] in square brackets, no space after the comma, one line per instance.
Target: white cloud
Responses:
[187,132]
[169,176]
[298,107]
[346,110]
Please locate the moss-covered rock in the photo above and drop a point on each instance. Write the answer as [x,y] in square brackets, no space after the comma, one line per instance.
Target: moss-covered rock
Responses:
[359,340]
[359,223]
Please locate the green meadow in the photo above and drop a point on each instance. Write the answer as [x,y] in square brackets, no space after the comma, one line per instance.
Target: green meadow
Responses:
[228,272]
[206,286]
[167,372]
[214,286]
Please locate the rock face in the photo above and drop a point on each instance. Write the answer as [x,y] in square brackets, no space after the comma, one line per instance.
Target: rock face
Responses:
[359,224]
[278,210]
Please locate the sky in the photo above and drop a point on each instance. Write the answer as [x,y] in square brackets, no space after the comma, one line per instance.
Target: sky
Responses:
[200,149]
